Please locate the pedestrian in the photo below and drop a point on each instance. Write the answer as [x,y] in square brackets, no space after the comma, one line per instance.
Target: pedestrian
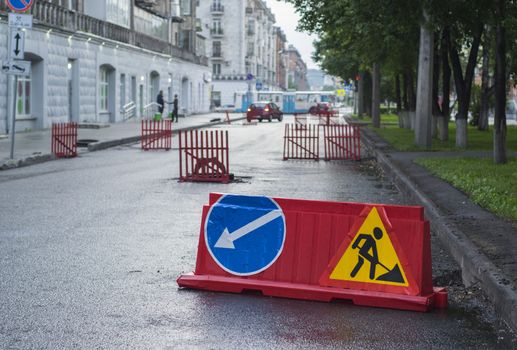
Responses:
[160,101]
[175,108]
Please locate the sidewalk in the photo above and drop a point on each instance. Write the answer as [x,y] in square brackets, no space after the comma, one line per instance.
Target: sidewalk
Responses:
[34,147]
[484,245]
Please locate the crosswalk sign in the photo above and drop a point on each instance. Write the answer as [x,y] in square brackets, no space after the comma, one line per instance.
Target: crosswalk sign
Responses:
[368,256]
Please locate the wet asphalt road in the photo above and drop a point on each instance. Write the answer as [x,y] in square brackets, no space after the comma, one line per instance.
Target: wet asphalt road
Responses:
[90,249]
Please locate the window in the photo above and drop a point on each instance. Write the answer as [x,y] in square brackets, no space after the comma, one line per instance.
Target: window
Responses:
[216,49]
[118,12]
[216,69]
[23,97]
[103,90]
[185,7]
[150,24]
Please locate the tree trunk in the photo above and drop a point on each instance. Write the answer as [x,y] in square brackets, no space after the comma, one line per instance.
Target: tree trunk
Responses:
[500,89]
[464,86]
[360,95]
[485,89]
[424,104]
[405,95]
[398,96]
[436,80]
[376,96]
[446,89]
[411,91]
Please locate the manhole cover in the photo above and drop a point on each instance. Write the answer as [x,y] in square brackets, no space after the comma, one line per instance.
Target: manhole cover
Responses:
[85,142]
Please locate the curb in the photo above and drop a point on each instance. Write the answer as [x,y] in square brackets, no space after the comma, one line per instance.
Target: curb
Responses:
[475,266]
[99,146]
[11,164]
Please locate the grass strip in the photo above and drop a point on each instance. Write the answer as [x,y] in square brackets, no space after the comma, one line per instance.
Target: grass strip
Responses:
[493,187]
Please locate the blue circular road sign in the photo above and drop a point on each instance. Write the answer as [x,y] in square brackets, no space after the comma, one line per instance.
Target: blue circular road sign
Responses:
[245,234]
[249,76]
[19,5]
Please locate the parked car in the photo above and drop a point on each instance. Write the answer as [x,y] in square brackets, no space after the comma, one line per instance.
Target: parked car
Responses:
[320,108]
[225,108]
[264,110]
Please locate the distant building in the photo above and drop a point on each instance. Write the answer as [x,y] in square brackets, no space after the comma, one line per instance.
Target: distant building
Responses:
[297,70]
[90,59]
[281,59]
[240,42]
[318,80]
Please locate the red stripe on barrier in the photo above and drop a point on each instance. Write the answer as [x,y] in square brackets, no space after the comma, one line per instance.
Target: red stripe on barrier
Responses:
[322,256]
[204,156]
[64,140]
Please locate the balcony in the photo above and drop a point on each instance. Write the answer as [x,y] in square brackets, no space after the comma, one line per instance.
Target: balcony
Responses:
[217,55]
[217,32]
[217,9]
[53,16]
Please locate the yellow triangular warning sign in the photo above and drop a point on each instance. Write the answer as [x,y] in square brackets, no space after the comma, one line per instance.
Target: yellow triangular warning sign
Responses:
[370,257]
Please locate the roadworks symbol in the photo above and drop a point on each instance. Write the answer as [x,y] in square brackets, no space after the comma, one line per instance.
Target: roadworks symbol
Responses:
[370,257]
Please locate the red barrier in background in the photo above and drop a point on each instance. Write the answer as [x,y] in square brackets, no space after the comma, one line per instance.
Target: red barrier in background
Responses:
[342,142]
[204,156]
[300,121]
[156,135]
[328,117]
[64,140]
[321,255]
[301,142]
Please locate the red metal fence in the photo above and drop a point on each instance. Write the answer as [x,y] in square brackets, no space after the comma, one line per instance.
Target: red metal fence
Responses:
[342,142]
[156,134]
[204,156]
[328,118]
[301,142]
[64,140]
[300,120]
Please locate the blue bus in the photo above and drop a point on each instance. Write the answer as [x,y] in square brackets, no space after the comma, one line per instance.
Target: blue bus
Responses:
[289,101]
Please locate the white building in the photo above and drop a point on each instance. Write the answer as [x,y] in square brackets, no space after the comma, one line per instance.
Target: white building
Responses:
[91,58]
[241,41]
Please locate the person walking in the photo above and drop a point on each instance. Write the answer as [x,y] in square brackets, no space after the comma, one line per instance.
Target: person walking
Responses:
[175,108]
[161,102]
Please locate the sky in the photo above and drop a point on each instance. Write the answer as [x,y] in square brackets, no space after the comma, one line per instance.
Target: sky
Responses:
[287,19]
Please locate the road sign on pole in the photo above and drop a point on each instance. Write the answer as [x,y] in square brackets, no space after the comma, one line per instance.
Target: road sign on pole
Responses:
[258,85]
[19,68]
[20,5]
[17,48]
[244,234]
[18,20]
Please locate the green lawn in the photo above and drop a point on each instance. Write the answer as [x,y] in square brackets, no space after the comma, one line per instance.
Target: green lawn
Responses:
[493,187]
[404,139]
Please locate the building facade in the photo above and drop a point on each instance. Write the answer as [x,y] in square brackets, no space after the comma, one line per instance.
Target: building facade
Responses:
[297,70]
[241,44]
[92,59]
[281,59]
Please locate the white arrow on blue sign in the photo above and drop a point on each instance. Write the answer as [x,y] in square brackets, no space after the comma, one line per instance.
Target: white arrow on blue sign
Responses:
[245,234]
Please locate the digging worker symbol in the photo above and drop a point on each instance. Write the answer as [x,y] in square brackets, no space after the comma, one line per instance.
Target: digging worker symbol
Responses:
[368,251]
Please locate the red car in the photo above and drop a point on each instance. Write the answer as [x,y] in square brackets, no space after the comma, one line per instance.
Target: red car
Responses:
[320,108]
[264,110]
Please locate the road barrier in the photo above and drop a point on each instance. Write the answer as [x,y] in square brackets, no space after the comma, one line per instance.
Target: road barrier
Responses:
[156,135]
[342,142]
[370,254]
[204,156]
[64,140]
[328,118]
[301,142]
[300,121]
